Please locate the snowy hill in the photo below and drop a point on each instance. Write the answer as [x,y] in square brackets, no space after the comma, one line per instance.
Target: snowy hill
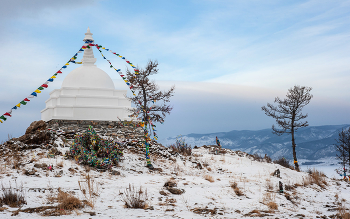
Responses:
[313,142]
[229,185]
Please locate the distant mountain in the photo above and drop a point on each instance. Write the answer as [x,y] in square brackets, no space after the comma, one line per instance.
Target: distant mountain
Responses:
[313,142]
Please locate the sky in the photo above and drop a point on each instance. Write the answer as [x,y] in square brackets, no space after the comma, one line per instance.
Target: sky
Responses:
[225,58]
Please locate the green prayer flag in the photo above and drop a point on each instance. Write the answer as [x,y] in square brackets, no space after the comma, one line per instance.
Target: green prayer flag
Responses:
[40,88]
[88,47]
[3,117]
[55,74]
[23,102]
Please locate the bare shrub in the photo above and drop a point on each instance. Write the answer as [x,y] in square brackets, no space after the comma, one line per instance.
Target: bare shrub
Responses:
[181,147]
[12,196]
[257,157]
[66,203]
[236,189]
[269,185]
[209,178]
[316,177]
[90,189]
[283,162]
[342,211]
[135,198]
[288,187]
[269,201]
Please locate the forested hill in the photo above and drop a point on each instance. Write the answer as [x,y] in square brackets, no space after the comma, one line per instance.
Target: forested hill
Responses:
[313,142]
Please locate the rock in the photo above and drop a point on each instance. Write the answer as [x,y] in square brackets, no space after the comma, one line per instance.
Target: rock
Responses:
[163,193]
[36,125]
[114,172]
[175,191]
[170,184]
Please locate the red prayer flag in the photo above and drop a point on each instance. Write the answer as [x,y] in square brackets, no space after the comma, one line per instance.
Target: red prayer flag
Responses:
[26,99]
[44,85]
[59,72]
[7,114]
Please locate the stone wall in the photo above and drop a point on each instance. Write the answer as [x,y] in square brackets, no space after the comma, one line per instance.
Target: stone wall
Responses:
[121,130]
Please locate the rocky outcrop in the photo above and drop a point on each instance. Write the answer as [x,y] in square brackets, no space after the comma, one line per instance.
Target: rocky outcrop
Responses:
[36,133]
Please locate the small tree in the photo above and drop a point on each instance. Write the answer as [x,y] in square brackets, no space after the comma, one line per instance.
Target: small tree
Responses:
[343,148]
[288,113]
[151,104]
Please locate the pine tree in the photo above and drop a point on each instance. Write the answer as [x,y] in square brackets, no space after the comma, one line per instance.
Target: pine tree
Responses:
[343,148]
[288,113]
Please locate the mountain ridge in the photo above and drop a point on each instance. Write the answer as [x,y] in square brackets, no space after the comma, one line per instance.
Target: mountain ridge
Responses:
[313,142]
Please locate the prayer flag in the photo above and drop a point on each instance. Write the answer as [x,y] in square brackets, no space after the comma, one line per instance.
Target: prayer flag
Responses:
[53,76]
[23,102]
[15,107]
[34,94]
[59,72]
[26,99]
[50,80]
[37,91]
[40,88]
[44,85]
[64,66]
[7,114]
[3,118]
[18,105]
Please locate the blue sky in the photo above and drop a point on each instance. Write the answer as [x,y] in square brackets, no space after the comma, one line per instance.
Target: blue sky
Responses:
[225,58]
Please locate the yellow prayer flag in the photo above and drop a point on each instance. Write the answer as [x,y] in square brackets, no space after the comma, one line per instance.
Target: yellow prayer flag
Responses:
[67,64]
[53,76]
[125,80]
[134,94]
[103,48]
[18,105]
[1,121]
[37,91]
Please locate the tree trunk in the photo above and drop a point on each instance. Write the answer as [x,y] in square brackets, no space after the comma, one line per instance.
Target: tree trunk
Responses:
[293,145]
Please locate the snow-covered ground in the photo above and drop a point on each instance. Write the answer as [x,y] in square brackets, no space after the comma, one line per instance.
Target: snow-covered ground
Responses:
[216,199]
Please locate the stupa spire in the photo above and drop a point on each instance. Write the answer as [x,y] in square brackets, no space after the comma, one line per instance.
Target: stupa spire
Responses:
[88,57]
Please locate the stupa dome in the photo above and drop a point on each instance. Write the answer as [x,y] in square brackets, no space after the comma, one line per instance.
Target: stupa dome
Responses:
[88,77]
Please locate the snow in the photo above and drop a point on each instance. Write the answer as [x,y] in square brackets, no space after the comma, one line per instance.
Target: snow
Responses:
[253,178]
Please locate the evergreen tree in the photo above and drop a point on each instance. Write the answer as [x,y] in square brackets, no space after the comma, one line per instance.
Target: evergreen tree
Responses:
[288,113]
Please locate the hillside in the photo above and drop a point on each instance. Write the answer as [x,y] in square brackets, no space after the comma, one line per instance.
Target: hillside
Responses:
[313,142]
[232,184]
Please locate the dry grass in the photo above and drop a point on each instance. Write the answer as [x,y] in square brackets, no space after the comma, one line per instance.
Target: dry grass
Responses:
[67,203]
[60,164]
[342,211]
[269,200]
[12,196]
[209,178]
[135,198]
[269,185]
[89,187]
[236,189]
[315,177]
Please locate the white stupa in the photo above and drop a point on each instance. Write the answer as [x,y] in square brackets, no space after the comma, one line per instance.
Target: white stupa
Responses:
[87,93]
